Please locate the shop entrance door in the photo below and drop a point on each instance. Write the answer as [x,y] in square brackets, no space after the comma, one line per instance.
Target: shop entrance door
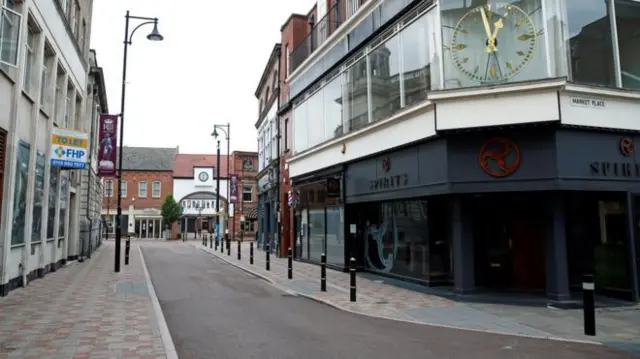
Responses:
[509,242]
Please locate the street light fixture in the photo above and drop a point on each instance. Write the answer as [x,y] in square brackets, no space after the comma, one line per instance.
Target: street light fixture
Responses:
[153,36]
[226,129]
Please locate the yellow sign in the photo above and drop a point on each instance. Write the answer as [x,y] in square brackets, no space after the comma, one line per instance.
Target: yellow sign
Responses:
[69,148]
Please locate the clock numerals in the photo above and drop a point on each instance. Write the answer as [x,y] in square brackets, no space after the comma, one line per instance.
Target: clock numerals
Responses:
[493,71]
[526,37]
[460,46]
[465,60]
[520,53]
[540,33]
[509,66]
[475,71]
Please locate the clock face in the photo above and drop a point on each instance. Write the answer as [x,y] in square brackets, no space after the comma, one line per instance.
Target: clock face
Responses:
[492,43]
[203,176]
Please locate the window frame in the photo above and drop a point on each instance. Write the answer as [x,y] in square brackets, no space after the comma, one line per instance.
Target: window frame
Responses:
[108,188]
[11,9]
[141,189]
[153,189]
[29,58]
[250,192]
[123,189]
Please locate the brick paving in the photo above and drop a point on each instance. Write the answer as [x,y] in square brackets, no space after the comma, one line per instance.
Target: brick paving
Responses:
[374,298]
[83,311]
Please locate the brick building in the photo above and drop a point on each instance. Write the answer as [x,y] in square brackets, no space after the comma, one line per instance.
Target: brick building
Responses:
[147,178]
[245,166]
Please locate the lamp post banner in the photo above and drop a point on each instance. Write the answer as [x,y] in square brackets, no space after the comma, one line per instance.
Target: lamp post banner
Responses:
[108,131]
[233,196]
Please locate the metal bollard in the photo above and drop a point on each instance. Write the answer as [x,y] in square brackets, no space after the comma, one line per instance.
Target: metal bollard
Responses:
[127,249]
[589,305]
[250,252]
[352,273]
[267,264]
[239,250]
[211,240]
[228,247]
[290,259]
[323,272]
[221,245]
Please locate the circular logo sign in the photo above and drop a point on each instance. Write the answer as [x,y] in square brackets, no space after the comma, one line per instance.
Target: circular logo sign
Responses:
[203,176]
[386,164]
[499,157]
[626,146]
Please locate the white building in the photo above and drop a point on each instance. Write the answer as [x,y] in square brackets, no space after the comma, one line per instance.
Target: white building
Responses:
[194,188]
[44,81]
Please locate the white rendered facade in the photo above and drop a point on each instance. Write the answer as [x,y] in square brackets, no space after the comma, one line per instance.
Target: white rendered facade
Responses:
[44,79]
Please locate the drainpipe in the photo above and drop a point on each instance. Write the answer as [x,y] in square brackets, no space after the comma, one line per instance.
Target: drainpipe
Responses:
[278,129]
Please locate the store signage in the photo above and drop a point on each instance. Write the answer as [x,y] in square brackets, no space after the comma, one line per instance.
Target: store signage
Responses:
[587,102]
[389,182]
[68,149]
[615,169]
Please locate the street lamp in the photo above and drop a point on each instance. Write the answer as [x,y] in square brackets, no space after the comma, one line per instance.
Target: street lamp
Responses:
[153,36]
[227,133]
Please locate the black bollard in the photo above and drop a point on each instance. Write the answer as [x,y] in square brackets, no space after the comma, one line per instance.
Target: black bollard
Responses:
[323,272]
[267,264]
[250,252]
[290,259]
[211,240]
[352,273]
[228,246]
[127,249]
[239,250]
[221,245]
[589,305]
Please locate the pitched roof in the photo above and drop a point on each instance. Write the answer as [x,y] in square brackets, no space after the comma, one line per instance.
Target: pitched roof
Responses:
[185,163]
[148,158]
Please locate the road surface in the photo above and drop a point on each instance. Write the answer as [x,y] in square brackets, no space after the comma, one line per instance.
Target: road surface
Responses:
[214,310]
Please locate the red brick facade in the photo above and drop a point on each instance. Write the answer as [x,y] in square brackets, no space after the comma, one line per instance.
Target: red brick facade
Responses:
[133,179]
[245,166]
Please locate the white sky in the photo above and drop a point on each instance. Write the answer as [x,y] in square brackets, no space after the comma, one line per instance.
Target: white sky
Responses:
[205,72]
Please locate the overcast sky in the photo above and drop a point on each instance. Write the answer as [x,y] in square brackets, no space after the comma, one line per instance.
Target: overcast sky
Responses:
[205,72]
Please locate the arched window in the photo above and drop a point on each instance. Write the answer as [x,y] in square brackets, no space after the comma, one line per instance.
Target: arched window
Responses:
[266,96]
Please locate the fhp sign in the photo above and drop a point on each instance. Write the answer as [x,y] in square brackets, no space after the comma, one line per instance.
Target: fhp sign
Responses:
[68,149]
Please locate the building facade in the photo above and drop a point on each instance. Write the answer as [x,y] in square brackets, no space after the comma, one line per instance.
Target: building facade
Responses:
[268,175]
[244,220]
[91,197]
[194,188]
[293,33]
[44,80]
[432,149]
[147,179]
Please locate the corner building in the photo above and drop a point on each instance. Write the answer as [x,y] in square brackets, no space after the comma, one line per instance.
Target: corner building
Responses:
[434,153]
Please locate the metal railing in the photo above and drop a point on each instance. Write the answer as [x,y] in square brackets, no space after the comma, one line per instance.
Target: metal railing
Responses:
[317,36]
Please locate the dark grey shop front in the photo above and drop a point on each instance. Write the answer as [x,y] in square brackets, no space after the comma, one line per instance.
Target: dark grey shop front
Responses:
[530,211]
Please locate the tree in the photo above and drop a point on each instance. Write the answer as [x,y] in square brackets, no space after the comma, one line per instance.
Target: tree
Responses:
[170,211]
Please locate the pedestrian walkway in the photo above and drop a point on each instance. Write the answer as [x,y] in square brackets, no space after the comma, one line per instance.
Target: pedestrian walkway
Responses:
[85,311]
[386,301]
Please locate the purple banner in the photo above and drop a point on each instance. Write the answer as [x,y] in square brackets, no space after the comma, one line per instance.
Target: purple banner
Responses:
[108,136]
[234,189]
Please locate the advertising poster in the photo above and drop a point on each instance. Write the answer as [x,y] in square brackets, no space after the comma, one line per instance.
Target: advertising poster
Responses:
[234,189]
[108,136]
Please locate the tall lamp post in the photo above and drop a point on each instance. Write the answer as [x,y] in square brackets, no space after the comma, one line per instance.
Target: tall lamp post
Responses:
[226,129]
[153,36]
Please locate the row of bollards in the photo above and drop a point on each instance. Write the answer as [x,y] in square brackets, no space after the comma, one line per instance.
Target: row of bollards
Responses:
[588,287]
[323,265]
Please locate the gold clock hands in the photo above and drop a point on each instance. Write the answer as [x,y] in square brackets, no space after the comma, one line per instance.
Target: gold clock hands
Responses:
[487,28]
[497,26]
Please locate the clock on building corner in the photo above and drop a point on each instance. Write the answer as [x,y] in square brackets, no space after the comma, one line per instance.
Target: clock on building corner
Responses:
[494,42]
[203,176]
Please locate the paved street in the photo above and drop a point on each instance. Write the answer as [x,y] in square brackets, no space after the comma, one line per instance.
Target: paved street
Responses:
[215,310]
[83,311]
